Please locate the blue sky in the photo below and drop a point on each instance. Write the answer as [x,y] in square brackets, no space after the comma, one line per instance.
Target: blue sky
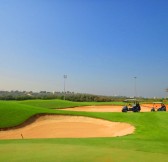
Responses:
[101,45]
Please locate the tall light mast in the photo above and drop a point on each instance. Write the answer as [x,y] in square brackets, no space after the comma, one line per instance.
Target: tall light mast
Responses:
[135,89]
[65,77]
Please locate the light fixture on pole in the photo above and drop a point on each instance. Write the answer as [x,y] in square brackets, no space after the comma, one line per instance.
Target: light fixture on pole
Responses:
[166,91]
[135,90]
[65,77]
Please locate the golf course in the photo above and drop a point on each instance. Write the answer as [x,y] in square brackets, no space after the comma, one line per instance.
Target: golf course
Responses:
[144,137]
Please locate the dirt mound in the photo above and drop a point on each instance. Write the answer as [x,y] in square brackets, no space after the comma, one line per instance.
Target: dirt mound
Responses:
[61,126]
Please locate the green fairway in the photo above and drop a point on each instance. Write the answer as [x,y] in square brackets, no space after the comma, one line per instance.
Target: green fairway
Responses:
[76,151]
[63,104]
[148,143]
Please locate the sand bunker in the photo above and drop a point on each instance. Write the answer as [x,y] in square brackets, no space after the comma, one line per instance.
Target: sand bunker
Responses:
[60,126]
[96,108]
[112,108]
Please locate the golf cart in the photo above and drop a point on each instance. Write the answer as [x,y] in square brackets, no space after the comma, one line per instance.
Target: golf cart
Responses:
[131,105]
[162,107]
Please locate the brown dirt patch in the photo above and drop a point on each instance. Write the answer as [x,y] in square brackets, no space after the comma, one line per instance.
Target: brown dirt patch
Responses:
[61,126]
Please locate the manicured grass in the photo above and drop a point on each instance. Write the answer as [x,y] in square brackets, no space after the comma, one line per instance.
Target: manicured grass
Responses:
[63,104]
[52,103]
[148,143]
[75,151]
[13,113]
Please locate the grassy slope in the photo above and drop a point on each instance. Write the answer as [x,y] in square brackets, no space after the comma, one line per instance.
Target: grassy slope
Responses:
[149,142]
[13,113]
[63,104]
[51,103]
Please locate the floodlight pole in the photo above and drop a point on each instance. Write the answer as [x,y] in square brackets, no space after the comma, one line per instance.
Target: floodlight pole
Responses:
[135,91]
[166,91]
[65,77]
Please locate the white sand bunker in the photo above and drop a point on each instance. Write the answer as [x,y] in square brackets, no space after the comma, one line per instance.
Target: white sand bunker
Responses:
[61,126]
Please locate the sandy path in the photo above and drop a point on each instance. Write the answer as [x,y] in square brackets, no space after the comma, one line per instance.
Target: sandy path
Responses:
[112,108]
[59,126]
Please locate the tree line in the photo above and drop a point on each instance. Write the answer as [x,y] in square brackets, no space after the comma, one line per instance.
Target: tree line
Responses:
[71,96]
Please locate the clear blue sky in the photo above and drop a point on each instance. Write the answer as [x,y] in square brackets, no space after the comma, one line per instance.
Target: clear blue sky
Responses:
[100,44]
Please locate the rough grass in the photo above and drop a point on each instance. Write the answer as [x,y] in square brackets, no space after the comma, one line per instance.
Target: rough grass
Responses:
[148,143]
